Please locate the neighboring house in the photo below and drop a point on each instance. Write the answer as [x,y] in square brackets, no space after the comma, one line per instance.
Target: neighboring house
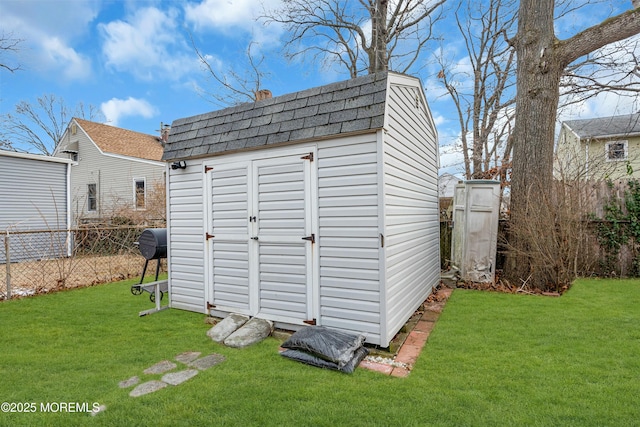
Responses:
[316,207]
[604,147]
[446,189]
[114,168]
[34,196]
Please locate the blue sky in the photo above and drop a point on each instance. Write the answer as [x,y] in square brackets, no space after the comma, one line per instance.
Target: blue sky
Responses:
[134,60]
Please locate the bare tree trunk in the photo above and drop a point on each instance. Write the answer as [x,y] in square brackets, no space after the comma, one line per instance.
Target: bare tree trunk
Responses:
[541,61]
[379,60]
[536,104]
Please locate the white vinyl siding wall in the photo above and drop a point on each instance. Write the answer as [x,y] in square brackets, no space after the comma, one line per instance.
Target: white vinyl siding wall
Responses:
[113,175]
[412,245]
[33,196]
[186,238]
[229,210]
[282,203]
[349,235]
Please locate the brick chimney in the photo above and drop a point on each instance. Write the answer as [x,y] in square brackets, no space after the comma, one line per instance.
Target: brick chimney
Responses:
[164,133]
[263,94]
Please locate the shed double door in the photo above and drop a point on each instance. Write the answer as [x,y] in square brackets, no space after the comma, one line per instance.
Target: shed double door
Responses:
[261,234]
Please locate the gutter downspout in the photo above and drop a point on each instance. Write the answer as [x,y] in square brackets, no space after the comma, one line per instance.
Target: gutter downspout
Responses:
[586,158]
[68,209]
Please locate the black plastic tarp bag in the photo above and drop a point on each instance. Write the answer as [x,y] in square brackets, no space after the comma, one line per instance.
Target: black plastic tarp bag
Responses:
[327,344]
[312,360]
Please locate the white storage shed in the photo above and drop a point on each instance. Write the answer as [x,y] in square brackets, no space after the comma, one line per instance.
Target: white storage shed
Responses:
[316,207]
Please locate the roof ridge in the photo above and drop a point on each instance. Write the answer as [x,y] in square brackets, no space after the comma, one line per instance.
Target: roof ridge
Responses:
[604,117]
[345,107]
[112,127]
[125,142]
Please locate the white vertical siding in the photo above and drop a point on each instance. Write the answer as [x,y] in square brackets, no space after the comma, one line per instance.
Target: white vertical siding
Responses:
[229,212]
[260,213]
[282,220]
[412,249]
[349,235]
[186,237]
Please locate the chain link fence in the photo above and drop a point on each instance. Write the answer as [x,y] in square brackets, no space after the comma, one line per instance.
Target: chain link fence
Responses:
[40,261]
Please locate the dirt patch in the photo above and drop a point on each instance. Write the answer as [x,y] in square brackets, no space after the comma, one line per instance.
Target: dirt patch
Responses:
[503,286]
[44,276]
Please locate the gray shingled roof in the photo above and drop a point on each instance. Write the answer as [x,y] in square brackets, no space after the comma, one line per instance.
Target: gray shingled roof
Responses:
[345,107]
[603,127]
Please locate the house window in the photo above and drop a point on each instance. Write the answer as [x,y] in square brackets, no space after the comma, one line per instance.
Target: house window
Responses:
[92,198]
[616,150]
[139,193]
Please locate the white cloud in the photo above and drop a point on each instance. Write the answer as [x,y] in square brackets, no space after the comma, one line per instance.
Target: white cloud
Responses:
[64,19]
[73,65]
[147,44]
[439,119]
[232,15]
[222,14]
[49,30]
[451,160]
[115,108]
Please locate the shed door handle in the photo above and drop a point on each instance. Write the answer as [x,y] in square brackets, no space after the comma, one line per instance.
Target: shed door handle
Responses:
[255,238]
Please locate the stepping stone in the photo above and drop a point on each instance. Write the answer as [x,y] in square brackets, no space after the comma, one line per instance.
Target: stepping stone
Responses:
[99,409]
[130,382]
[255,330]
[187,356]
[160,367]
[146,388]
[207,361]
[227,326]
[175,378]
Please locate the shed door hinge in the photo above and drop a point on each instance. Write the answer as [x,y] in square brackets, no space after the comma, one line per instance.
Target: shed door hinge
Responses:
[207,169]
[308,157]
[310,322]
[208,236]
[311,238]
[381,240]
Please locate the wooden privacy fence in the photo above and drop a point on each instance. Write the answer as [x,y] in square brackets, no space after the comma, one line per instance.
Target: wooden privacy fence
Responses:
[592,262]
[38,261]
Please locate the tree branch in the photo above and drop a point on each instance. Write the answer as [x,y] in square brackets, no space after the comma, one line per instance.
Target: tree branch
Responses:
[611,30]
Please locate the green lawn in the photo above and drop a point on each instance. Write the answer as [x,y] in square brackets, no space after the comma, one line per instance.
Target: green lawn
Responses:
[492,359]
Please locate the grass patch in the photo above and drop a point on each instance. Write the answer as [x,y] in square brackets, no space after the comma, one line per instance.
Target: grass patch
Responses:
[492,359]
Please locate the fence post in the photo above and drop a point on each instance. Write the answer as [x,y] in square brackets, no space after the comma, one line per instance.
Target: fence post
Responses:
[7,264]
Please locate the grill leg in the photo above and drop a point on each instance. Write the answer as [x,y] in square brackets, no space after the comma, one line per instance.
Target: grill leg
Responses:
[158,269]
[137,289]
[144,271]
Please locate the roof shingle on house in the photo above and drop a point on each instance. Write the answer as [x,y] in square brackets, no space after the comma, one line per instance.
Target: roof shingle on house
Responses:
[345,107]
[114,140]
[604,127]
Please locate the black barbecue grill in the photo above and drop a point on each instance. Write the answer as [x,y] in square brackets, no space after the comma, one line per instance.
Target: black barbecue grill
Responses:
[153,245]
